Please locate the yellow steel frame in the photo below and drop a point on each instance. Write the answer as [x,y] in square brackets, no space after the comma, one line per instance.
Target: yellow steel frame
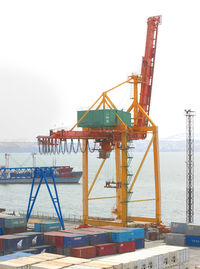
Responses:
[123,193]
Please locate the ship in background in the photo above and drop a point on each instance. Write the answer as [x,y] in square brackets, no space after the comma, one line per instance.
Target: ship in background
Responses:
[25,175]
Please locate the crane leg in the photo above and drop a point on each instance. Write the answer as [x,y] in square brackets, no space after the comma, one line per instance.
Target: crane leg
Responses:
[85,181]
[157,175]
[124,194]
[118,209]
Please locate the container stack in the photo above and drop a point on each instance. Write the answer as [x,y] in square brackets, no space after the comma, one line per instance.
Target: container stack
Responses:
[183,234]
[47,226]
[177,236]
[29,242]
[159,257]
[95,241]
[12,224]
[139,235]
[193,235]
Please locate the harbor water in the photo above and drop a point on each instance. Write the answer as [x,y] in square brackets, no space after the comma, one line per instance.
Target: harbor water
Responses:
[173,186]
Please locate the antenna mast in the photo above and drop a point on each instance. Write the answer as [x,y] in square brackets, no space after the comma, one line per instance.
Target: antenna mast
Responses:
[189,165]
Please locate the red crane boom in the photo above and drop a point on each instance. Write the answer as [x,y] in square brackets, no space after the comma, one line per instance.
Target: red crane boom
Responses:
[147,70]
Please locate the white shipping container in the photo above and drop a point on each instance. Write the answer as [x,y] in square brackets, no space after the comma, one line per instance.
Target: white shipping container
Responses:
[74,260]
[24,263]
[97,264]
[81,266]
[48,256]
[48,265]
[116,264]
[185,266]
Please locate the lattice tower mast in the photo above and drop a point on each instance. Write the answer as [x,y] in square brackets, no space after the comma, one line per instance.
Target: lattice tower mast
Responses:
[189,165]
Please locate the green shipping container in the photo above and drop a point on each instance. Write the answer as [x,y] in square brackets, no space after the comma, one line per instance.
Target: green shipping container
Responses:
[103,118]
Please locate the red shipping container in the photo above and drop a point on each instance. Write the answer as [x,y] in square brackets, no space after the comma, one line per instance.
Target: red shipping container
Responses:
[106,249]
[84,252]
[50,237]
[126,247]
[59,240]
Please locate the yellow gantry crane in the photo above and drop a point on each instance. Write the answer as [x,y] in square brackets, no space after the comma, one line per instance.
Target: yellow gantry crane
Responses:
[112,130]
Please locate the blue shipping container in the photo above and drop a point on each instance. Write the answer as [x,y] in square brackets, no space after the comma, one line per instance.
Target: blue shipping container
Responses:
[15,256]
[193,240]
[50,226]
[1,231]
[98,238]
[36,238]
[139,243]
[16,243]
[74,241]
[122,236]
[37,227]
[1,222]
[13,222]
[138,232]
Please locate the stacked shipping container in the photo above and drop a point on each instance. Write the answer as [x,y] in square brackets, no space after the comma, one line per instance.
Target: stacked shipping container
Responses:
[12,224]
[95,241]
[158,257]
[183,234]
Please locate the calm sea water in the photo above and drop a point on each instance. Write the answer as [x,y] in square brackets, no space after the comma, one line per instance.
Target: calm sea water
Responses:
[172,167]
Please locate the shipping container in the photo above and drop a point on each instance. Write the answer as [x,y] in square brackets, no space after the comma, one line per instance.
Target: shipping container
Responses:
[1,231]
[62,251]
[106,249]
[192,240]
[50,237]
[114,264]
[98,238]
[75,240]
[153,235]
[81,266]
[193,229]
[37,226]
[178,227]
[48,256]
[16,243]
[139,243]
[13,222]
[126,247]
[1,222]
[103,118]
[48,264]
[138,232]
[29,250]
[20,263]
[74,260]
[15,256]
[98,264]
[175,239]
[43,249]
[84,252]
[36,238]
[14,230]
[122,236]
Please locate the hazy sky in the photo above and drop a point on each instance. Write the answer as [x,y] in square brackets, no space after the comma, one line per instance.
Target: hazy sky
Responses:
[58,56]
